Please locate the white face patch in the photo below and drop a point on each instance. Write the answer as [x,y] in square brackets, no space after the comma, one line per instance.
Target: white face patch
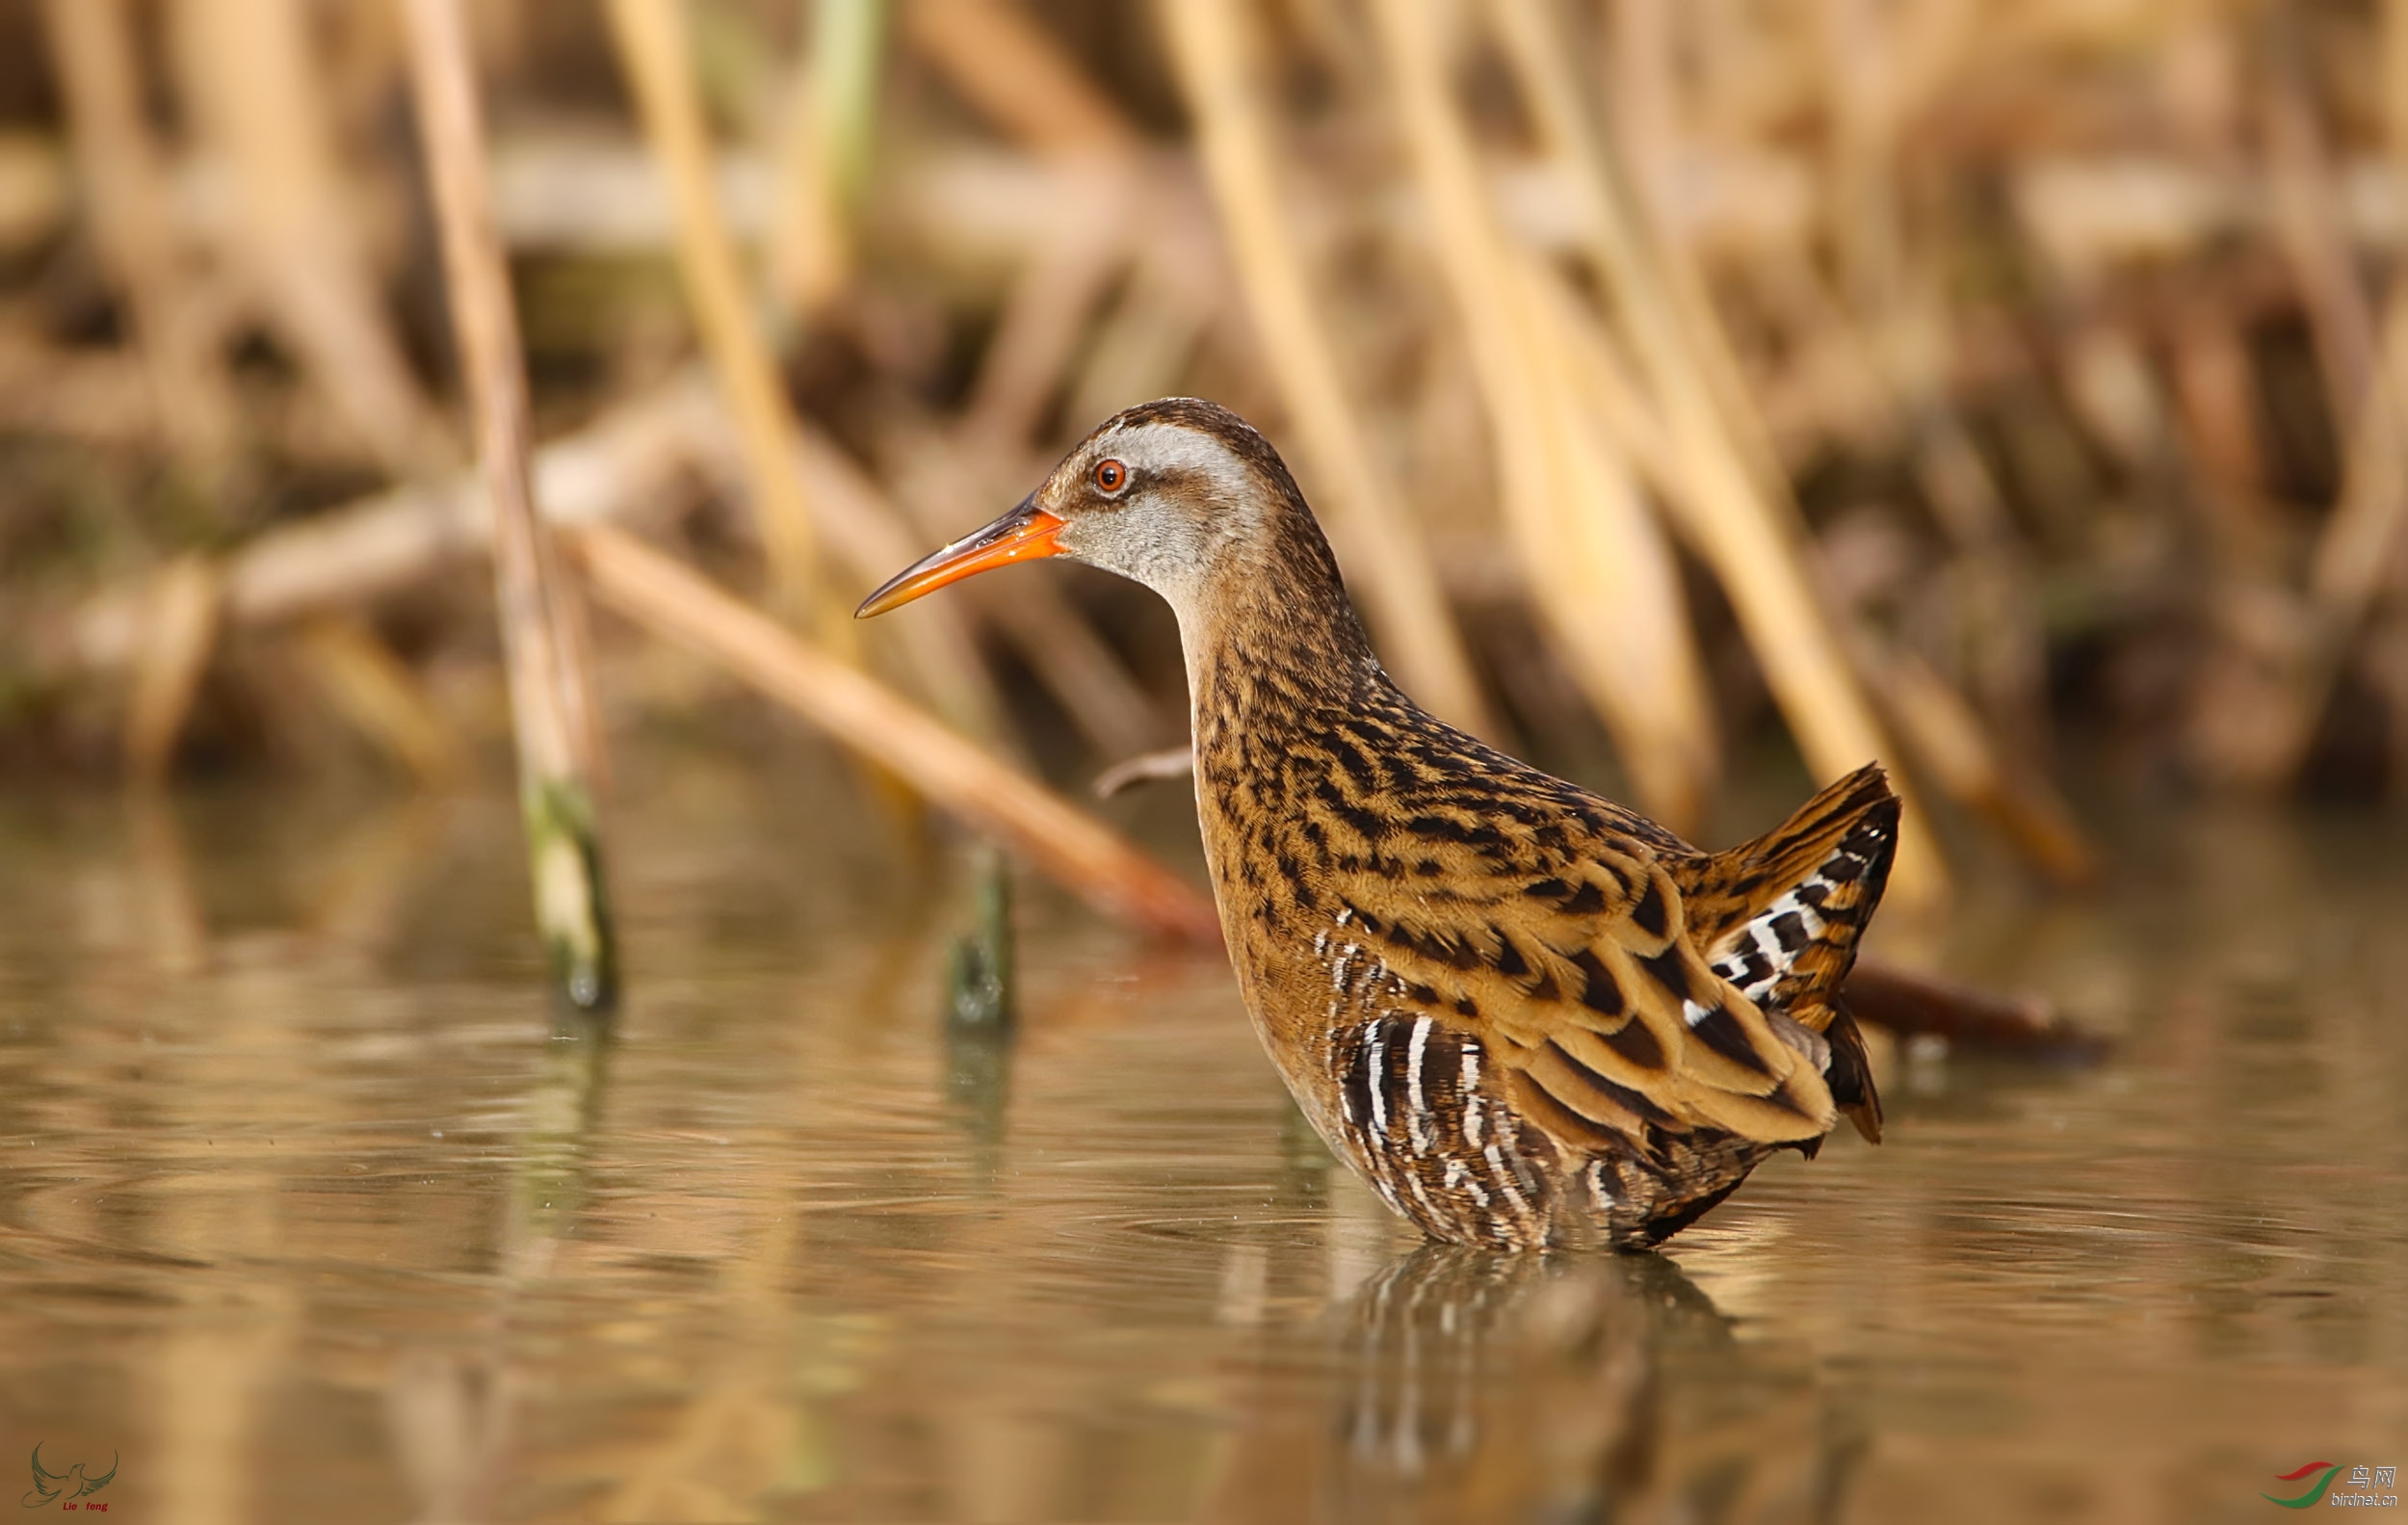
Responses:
[1171,543]
[1176,448]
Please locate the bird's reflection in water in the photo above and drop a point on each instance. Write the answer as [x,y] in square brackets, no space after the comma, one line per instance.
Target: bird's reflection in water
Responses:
[1466,1385]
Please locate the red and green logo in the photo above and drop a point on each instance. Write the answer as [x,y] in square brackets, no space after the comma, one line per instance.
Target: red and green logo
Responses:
[2324,1471]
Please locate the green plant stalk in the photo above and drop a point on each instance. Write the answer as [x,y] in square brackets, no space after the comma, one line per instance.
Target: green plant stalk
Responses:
[572,904]
[847,47]
[552,706]
[979,979]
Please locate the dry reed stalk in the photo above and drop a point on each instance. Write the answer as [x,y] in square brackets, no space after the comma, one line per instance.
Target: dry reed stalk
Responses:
[847,57]
[870,534]
[1647,62]
[1943,731]
[2361,549]
[1094,208]
[1643,67]
[823,155]
[866,534]
[652,47]
[1995,606]
[92,49]
[627,464]
[2111,388]
[1143,343]
[1046,315]
[381,698]
[36,190]
[2310,226]
[1079,668]
[1078,851]
[2356,558]
[637,464]
[2214,391]
[1596,564]
[1741,523]
[1947,736]
[246,74]
[2392,76]
[1388,551]
[1880,66]
[108,397]
[1005,65]
[1604,521]
[550,692]
[178,636]
[809,255]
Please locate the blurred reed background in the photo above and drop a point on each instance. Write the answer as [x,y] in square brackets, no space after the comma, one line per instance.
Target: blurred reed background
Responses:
[2010,388]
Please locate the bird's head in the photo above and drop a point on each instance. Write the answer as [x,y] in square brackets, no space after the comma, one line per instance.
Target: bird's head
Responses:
[1174,494]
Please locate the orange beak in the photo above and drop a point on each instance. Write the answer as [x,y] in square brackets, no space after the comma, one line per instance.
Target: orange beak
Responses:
[1023,535]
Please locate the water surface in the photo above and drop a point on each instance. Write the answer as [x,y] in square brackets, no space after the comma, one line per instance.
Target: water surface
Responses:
[307,1213]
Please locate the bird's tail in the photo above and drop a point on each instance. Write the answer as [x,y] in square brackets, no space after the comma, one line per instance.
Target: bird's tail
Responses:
[1780,916]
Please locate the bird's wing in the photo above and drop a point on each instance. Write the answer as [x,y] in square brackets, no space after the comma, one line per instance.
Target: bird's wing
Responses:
[93,1485]
[1568,952]
[45,1482]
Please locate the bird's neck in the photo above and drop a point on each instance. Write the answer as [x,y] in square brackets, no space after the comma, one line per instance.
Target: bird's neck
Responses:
[1272,640]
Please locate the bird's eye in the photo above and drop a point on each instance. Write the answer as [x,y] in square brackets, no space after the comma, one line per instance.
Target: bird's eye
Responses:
[1111,476]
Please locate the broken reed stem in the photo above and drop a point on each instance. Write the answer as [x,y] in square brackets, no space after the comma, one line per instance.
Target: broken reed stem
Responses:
[652,48]
[1391,557]
[551,693]
[1085,856]
[1745,526]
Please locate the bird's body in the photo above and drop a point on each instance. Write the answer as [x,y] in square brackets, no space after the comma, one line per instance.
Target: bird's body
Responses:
[1527,1016]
